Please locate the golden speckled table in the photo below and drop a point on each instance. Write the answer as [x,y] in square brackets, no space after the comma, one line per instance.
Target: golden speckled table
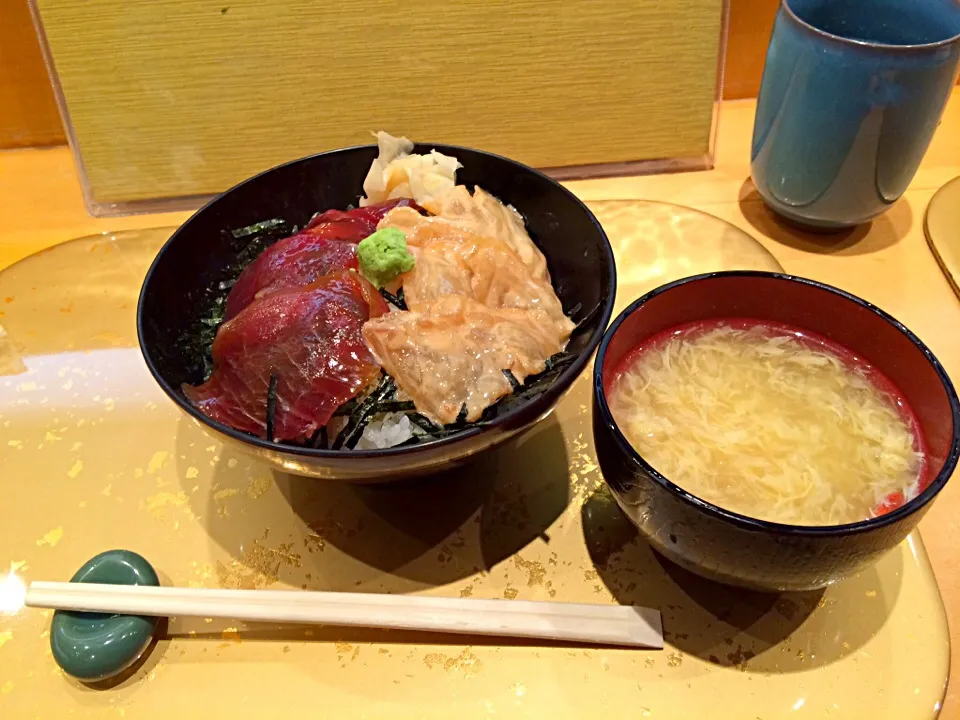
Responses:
[95,457]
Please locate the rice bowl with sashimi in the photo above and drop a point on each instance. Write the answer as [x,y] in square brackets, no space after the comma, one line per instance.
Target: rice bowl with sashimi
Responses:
[422,310]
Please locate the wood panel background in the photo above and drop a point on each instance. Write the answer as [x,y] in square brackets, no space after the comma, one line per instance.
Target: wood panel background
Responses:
[204,94]
[748,32]
[29,116]
[28,112]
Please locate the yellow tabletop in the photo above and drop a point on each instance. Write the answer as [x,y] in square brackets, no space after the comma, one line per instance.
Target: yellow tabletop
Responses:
[887,262]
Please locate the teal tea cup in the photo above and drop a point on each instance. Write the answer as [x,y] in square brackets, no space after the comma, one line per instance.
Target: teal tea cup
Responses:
[851,95]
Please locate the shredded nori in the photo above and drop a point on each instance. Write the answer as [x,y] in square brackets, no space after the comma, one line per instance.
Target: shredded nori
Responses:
[560,360]
[350,435]
[412,440]
[512,379]
[582,322]
[260,228]
[319,439]
[271,406]
[250,241]
[396,406]
[424,423]
[200,344]
[531,388]
[244,244]
[348,408]
[396,300]
[351,406]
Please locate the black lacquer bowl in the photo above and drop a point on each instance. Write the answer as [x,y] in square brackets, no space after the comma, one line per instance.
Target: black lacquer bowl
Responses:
[739,550]
[578,255]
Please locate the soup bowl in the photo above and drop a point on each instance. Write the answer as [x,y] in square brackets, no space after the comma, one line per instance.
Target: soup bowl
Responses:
[732,548]
[179,289]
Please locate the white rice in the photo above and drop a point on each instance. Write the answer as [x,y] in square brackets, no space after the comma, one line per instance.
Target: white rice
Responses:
[386,431]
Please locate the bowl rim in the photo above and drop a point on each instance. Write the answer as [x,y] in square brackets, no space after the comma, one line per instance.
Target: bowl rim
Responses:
[793,15]
[562,382]
[745,521]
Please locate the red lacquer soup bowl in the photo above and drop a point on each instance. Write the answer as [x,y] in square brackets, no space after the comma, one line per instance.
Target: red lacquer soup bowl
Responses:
[740,550]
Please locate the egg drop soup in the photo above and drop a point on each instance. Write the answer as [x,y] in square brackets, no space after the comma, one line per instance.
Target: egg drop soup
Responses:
[769,421]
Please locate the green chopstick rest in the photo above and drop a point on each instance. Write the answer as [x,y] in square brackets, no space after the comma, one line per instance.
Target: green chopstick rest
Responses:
[95,646]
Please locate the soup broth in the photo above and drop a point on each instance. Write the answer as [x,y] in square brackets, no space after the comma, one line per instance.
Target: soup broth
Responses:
[769,421]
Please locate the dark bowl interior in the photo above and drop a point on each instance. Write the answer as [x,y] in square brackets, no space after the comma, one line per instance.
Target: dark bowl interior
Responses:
[176,291]
[741,550]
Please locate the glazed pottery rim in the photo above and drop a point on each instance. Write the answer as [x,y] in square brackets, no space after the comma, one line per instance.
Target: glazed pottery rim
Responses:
[864,44]
[562,382]
[755,524]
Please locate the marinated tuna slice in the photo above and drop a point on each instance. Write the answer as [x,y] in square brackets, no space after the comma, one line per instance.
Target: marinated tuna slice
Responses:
[456,352]
[289,263]
[309,339]
[326,245]
[360,221]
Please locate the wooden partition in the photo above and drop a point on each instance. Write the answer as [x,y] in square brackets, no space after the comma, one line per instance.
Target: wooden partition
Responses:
[751,22]
[176,98]
[28,113]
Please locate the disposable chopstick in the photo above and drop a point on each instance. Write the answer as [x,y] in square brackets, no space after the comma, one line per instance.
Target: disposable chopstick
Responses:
[571,622]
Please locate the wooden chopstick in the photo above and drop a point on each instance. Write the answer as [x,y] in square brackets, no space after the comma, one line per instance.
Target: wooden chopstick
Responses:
[572,622]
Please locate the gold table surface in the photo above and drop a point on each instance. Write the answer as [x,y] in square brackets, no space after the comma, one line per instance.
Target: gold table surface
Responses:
[93,456]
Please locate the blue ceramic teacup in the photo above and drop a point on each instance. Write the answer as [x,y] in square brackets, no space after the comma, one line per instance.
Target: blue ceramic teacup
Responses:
[852,92]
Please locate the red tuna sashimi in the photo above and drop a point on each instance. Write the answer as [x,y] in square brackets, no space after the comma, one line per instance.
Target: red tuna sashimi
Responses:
[289,263]
[326,245]
[310,339]
[365,217]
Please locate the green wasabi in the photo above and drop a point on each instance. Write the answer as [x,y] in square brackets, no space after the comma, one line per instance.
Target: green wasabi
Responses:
[384,255]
